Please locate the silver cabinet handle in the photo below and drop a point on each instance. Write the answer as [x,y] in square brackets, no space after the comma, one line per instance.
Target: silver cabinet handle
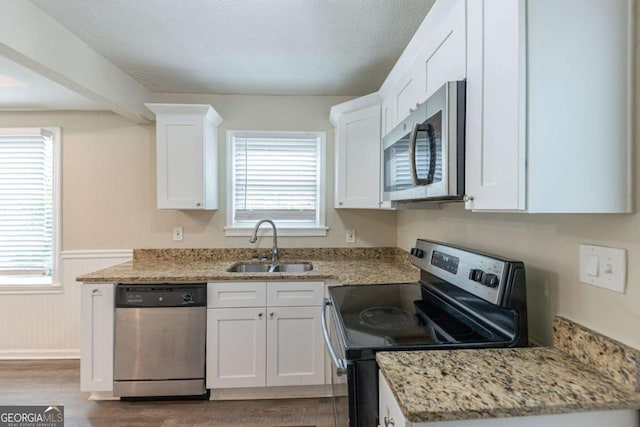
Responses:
[96,293]
[389,422]
[340,364]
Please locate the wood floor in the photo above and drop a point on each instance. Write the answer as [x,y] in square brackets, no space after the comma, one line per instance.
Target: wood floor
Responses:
[58,383]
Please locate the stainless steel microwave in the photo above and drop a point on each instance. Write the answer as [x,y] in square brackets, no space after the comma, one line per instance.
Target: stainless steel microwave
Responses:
[424,154]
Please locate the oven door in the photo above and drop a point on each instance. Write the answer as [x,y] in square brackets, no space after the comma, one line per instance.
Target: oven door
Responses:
[339,382]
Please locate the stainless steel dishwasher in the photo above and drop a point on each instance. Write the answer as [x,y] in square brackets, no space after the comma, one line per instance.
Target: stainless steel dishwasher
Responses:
[160,334]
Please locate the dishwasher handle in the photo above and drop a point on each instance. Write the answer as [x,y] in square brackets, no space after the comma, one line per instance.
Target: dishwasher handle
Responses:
[340,364]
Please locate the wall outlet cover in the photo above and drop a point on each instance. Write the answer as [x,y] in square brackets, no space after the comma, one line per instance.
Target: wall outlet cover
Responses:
[350,236]
[178,234]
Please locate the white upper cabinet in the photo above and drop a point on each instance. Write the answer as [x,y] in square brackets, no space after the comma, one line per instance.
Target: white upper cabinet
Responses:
[357,159]
[549,95]
[436,54]
[187,155]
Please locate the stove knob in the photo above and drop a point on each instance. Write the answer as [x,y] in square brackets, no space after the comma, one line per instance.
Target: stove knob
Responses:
[418,253]
[187,298]
[475,274]
[490,280]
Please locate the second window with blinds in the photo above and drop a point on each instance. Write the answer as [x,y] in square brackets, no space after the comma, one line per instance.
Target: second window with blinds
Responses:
[278,176]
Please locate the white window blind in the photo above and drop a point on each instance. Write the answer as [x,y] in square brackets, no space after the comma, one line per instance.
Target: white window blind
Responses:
[26,203]
[276,176]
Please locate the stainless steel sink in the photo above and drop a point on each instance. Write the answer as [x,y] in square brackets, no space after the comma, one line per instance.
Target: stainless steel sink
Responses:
[294,267]
[252,267]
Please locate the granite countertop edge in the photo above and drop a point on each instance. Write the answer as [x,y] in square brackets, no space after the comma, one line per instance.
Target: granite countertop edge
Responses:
[513,382]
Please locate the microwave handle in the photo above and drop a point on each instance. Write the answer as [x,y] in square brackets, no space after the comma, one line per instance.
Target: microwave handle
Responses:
[432,154]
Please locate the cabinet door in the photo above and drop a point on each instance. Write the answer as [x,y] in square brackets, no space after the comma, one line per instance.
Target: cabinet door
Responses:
[496,113]
[387,116]
[443,57]
[180,156]
[358,159]
[236,343]
[406,94]
[96,344]
[295,349]
[187,155]
[389,412]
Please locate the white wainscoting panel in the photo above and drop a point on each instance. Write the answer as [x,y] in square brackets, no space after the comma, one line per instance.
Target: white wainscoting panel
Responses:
[47,325]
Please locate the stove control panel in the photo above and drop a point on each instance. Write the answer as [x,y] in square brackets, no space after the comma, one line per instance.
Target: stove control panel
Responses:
[481,274]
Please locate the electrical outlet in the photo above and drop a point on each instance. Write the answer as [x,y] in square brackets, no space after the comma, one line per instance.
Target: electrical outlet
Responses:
[178,234]
[350,236]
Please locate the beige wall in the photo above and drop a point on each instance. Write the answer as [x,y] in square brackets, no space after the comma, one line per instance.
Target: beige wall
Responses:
[548,245]
[108,166]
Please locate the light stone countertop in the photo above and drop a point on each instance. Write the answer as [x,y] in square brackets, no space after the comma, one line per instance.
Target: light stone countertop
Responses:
[444,385]
[347,266]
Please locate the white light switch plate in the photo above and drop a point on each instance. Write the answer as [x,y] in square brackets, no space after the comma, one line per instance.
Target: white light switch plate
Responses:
[604,267]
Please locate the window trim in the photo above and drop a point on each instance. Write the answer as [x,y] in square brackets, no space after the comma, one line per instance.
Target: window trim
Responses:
[22,286]
[283,230]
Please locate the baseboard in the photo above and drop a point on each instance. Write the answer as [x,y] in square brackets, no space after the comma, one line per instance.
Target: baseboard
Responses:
[71,353]
[288,392]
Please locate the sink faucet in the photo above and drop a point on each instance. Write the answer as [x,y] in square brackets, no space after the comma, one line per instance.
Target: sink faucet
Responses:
[254,237]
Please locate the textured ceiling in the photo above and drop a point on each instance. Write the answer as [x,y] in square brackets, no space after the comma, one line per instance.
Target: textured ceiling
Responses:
[279,47]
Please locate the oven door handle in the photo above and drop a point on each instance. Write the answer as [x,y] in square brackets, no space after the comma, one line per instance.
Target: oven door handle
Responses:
[341,366]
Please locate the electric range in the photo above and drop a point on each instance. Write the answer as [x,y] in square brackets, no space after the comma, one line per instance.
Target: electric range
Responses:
[464,299]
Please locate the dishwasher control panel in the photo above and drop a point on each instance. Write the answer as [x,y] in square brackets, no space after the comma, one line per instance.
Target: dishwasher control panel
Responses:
[161,295]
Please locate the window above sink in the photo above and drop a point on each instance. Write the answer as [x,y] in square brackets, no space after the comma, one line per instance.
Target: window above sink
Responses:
[277,175]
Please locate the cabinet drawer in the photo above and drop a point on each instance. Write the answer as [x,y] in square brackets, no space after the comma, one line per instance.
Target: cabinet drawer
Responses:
[287,294]
[236,294]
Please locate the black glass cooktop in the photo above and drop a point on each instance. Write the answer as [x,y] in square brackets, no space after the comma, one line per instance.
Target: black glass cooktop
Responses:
[402,315]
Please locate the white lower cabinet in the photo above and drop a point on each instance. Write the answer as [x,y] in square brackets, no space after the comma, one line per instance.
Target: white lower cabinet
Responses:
[267,343]
[96,341]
